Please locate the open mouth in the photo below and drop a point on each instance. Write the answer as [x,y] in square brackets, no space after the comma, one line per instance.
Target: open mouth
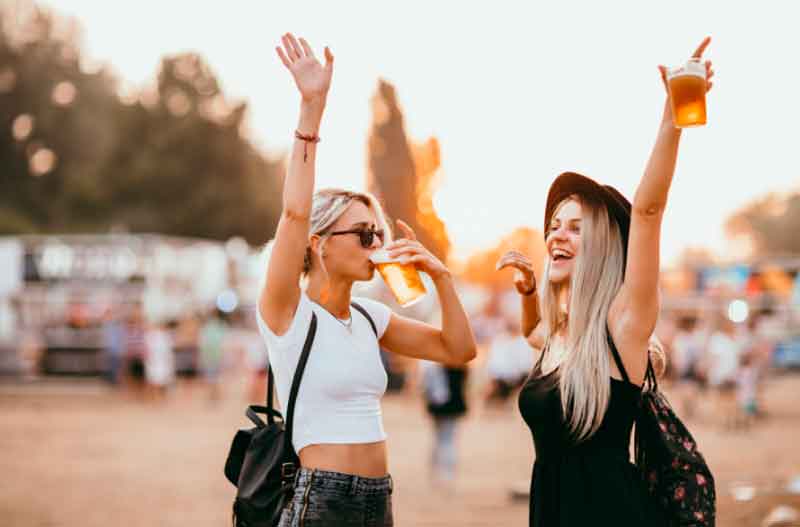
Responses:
[560,255]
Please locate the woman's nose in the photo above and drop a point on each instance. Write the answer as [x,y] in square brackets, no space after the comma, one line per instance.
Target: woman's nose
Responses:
[559,234]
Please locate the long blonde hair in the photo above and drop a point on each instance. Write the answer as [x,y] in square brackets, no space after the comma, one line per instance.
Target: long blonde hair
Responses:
[596,279]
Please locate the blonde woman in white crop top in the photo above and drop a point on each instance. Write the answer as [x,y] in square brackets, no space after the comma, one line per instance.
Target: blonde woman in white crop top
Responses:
[327,237]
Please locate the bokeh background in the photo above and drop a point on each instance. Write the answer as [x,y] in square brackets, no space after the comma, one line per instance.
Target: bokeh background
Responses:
[142,154]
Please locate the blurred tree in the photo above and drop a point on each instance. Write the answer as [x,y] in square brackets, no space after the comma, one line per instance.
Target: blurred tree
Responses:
[186,169]
[481,266]
[56,126]
[404,175]
[769,223]
[78,155]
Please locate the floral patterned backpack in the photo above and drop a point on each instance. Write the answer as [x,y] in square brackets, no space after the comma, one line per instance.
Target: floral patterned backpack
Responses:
[675,472]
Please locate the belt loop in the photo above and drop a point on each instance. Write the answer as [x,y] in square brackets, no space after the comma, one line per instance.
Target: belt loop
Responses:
[353,485]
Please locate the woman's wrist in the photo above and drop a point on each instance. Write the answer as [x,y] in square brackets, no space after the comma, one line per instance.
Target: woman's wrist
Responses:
[310,117]
[667,123]
[442,277]
[315,104]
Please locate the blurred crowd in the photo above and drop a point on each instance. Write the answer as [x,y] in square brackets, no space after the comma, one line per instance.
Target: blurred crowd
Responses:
[715,368]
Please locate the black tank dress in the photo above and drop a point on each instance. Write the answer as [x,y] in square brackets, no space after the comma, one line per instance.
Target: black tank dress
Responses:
[588,483]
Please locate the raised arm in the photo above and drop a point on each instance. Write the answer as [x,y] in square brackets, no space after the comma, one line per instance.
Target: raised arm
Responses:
[454,343]
[278,300]
[525,283]
[637,305]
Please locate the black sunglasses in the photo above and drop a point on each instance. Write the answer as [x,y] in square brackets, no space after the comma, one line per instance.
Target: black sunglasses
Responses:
[365,236]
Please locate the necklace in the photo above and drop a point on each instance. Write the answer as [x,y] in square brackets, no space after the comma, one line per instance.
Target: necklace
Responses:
[348,324]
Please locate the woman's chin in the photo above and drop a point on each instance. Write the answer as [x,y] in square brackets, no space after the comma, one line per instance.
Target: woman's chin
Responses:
[368,275]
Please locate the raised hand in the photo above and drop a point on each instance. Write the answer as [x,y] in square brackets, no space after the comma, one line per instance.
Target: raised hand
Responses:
[524,278]
[698,53]
[409,250]
[313,80]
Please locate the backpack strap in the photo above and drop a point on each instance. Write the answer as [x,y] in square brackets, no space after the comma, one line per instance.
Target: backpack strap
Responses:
[650,375]
[270,396]
[298,376]
[364,312]
[617,358]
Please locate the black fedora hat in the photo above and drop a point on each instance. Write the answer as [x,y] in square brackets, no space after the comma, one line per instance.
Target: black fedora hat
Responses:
[570,183]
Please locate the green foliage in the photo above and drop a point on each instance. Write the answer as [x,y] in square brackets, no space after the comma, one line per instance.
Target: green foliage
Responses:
[771,223]
[77,157]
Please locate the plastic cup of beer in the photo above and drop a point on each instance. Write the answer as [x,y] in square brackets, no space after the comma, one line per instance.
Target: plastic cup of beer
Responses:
[403,279]
[687,94]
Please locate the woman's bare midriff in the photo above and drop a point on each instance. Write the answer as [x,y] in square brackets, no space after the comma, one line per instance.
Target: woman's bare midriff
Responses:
[368,460]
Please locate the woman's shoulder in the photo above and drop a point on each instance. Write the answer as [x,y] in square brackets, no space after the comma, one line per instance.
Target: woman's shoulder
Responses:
[302,316]
[379,312]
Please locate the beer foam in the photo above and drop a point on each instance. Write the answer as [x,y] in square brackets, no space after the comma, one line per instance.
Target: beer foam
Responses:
[381,256]
[692,67]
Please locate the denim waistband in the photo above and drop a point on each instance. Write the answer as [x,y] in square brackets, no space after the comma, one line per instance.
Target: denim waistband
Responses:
[349,483]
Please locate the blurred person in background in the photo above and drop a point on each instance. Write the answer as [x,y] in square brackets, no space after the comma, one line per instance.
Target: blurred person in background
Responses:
[746,389]
[763,333]
[327,238]
[212,350]
[446,403]
[160,361]
[489,322]
[724,353]
[594,320]
[135,349]
[113,344]
[186,338]
[688,347]
[509,363]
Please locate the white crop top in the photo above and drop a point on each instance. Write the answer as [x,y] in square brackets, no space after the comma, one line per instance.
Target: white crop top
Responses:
[344,380]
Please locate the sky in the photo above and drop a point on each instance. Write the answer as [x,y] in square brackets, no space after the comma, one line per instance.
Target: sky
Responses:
[515,92]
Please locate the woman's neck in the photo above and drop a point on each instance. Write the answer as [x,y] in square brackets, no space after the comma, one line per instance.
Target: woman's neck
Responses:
[333,295]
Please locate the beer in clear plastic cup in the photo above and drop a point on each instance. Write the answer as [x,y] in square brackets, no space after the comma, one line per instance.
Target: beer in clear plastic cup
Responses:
[687,94]
[403,280]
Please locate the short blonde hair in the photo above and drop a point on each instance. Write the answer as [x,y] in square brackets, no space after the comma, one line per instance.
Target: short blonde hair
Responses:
[328,205]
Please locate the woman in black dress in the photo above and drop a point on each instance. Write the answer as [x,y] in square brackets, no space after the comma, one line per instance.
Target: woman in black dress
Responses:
[594,321]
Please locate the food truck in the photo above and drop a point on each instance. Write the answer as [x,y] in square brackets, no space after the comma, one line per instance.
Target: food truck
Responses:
[56,290]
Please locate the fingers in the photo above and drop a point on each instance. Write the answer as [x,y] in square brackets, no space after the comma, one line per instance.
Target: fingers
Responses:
[405,249]
[663,70]
[401,242]
[417,259]
[522,265]
[701,48]
[709,76]
[408,232]
[289,50]
[295,46]
[515,259]
[283,57]
[328,59]
[307,48]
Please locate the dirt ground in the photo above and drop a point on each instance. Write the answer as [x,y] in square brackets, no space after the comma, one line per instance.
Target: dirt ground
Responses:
[79,453]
